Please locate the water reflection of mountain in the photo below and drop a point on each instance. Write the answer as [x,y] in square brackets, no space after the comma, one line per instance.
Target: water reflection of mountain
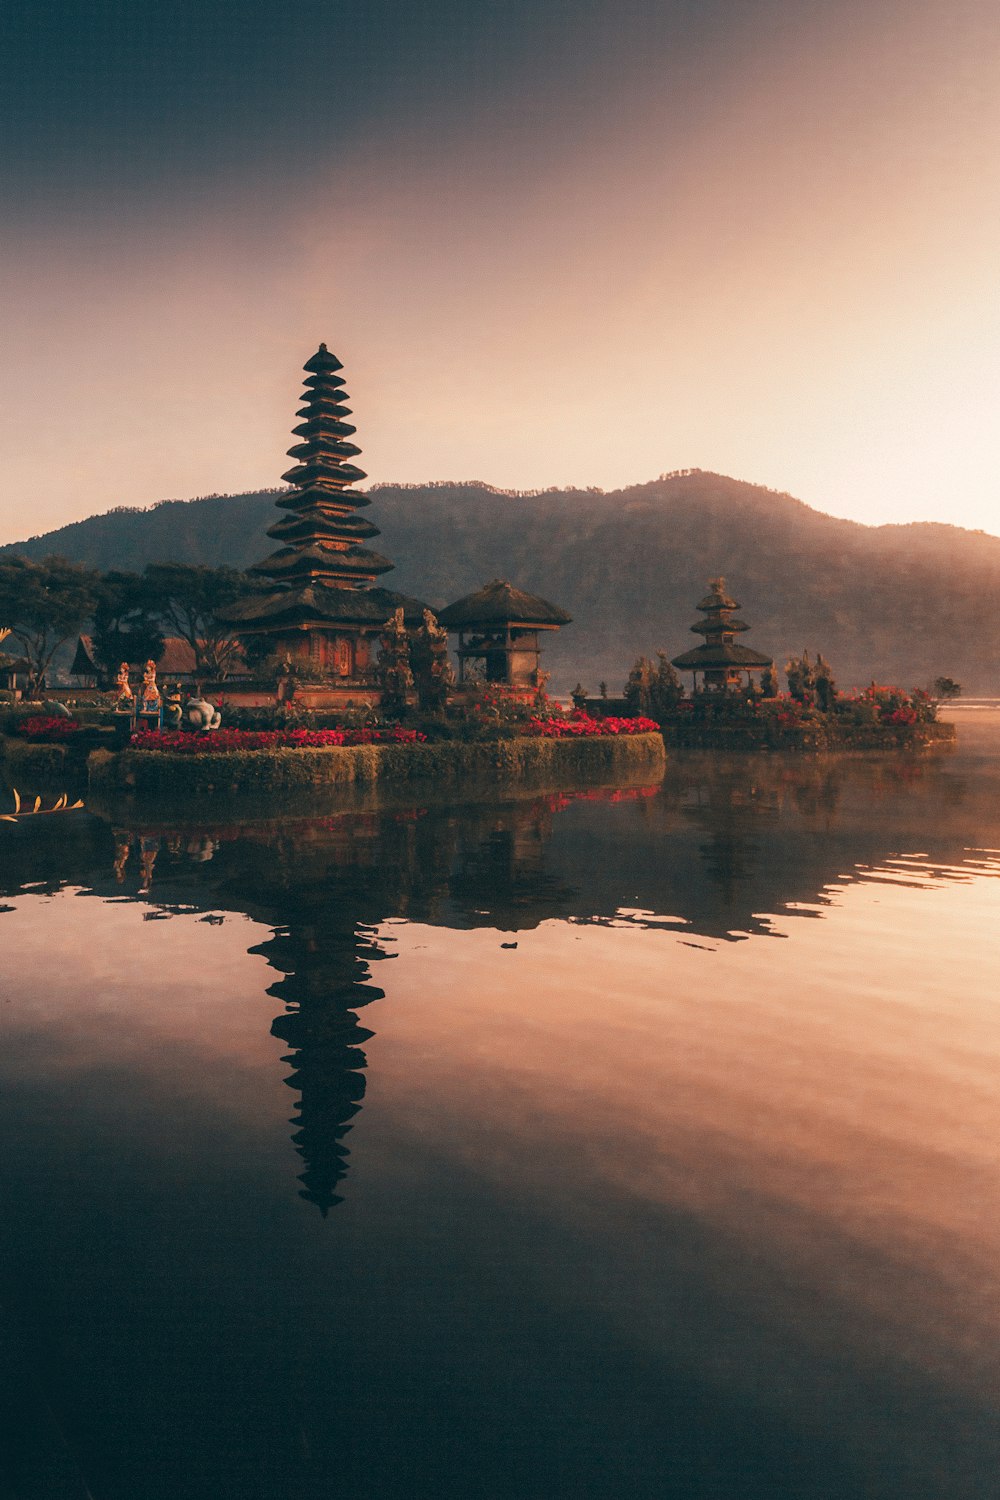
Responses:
[719,846]
[726,845]
[716,851]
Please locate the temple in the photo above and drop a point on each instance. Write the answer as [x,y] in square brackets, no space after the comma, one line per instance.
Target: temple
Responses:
[498,629]
[719,659]
[320,609]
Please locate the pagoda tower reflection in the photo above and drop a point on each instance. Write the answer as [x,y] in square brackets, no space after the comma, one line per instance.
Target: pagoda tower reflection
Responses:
[326,967]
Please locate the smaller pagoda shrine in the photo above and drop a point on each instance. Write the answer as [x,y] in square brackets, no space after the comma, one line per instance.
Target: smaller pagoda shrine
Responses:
[719,659]
[498,634]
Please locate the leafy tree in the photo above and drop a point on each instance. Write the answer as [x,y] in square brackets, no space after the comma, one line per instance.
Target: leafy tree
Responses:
[769,682]
[637,689]
[429,663]
[393,671]
[825,686]
[653,690]
[261,657]
[579,696]
[43,605]
[126,626]
[7,663]
[665,691]
[947,687]
[801,677]
[187,600]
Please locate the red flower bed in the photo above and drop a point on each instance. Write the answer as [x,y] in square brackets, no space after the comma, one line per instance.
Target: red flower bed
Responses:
[228,741]
[581,726]
[54,727]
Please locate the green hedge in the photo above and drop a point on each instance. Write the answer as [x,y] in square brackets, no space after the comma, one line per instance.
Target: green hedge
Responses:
[25,765]
[158,772]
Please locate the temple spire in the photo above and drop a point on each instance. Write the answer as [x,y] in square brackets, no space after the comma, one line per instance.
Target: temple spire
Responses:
[321,534]
[319,605]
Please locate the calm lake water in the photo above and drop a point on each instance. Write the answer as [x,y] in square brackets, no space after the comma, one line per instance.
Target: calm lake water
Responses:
[620,1144]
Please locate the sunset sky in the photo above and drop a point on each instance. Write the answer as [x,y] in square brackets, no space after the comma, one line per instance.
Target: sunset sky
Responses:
[553,241]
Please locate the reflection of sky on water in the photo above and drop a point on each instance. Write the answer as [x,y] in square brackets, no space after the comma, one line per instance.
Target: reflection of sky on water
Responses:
[631,1197]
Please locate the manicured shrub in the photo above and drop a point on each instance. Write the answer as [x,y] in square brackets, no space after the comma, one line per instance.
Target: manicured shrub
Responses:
[535,759]
[28,765]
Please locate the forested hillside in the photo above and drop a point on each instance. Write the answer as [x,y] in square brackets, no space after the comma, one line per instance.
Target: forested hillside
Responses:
[902,603]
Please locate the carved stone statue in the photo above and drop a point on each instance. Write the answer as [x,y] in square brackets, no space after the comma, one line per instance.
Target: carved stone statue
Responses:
[173,711]
[149,697]
[125,701]
[200,714]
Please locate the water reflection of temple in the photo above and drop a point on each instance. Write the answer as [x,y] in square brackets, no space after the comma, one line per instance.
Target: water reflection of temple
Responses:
[324,889]
[738,815]
[500,876]
[720,849]
[324,886]
[326,965]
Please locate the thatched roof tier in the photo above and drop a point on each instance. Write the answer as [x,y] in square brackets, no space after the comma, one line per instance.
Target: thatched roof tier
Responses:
[317,406]
[322,424]
[323,361]
[322,497]
[324,403]
[500,603]
[314,604]
[316,380]
[324,445]
[323,470]
[85,659]
[325,400]
[350,562]
[718,656]
[177,659]
[316,524]
[713,627]
[718,598]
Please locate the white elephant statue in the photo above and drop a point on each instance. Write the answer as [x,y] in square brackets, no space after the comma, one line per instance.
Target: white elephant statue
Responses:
[200,714]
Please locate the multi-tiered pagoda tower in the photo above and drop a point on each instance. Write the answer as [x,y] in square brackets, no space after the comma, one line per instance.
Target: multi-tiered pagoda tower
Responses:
[322,609]
[720,660]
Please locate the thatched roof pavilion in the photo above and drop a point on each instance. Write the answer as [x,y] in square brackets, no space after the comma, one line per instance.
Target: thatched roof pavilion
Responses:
[498,627]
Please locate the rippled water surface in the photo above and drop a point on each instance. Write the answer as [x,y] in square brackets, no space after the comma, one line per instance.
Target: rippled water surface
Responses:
[633,1143]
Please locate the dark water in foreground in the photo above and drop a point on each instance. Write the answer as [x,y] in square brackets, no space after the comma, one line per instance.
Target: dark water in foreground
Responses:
[632,1145]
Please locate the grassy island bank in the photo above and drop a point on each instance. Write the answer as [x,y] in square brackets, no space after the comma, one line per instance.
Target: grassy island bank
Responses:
[818,734]
[886,719]
[491,762]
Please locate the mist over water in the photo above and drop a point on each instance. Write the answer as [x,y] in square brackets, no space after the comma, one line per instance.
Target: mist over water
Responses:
[624,1142]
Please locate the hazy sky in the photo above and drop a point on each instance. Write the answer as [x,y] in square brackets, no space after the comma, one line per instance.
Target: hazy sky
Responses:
[553,241]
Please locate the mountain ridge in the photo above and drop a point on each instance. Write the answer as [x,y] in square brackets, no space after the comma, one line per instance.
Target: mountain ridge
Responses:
[900,601]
